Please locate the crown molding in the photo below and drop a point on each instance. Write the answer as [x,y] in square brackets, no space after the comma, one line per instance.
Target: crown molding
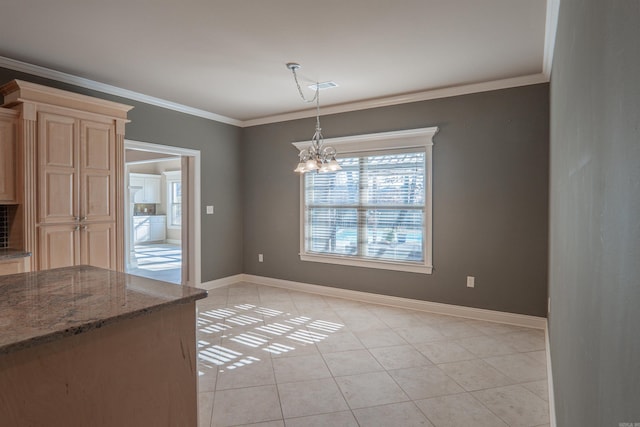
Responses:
[48,73]
[551,26]
[404,99]
[59,76]
[19,91]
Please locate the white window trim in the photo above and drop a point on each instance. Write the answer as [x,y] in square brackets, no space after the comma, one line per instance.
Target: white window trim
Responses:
[413,138]
[171,176]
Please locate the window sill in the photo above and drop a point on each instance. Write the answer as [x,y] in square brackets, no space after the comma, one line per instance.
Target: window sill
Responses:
[383,265]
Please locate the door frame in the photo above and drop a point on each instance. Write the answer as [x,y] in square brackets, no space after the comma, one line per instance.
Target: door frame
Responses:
[193,220]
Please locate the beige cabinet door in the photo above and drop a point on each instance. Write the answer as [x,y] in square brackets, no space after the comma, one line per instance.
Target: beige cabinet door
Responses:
[57,246]
[97,171]
[76,201]
[58,168]
[14,266]
[98,246]
[7,160]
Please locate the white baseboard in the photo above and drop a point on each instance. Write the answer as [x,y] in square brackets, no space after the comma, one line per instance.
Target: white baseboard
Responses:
[218,283]
[552,402]
[432,307]
[174,241]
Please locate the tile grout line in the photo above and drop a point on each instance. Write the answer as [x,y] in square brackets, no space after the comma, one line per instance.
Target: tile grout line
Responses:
[412,346]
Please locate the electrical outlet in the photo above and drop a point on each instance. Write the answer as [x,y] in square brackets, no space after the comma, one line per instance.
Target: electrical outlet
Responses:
[471,282]
[260,258]
[210,210]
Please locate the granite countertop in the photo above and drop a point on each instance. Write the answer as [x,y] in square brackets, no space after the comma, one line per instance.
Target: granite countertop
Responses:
[7,253]
[47,305]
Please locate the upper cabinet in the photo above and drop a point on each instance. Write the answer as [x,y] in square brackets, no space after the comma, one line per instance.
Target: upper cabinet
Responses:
[7,156]
[145,187]
[71,160]
[76,173]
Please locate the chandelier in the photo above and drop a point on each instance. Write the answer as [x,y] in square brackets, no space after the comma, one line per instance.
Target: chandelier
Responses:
[317,157]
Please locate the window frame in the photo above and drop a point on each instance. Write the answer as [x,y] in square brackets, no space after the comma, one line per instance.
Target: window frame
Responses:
[171,177]
[421,139]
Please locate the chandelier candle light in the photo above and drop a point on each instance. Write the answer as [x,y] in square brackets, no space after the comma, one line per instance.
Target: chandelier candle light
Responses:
[317,157]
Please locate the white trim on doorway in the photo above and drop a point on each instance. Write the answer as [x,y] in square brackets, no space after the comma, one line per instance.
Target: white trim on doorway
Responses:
[194,249]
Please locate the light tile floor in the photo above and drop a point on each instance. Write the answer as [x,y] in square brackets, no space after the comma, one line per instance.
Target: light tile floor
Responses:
[160,261]
[273,357]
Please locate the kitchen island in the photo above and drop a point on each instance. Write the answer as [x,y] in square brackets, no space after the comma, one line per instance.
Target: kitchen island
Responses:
[84,346]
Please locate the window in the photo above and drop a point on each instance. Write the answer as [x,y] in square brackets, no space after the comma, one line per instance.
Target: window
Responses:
[174,199]
[376,211]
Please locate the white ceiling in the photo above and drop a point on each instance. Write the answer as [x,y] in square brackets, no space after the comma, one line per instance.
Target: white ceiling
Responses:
[228,56]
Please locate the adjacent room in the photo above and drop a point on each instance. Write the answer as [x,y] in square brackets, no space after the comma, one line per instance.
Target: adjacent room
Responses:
[294,213]
[154,215]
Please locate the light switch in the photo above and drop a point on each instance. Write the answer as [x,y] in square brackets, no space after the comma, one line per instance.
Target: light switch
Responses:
[210,210]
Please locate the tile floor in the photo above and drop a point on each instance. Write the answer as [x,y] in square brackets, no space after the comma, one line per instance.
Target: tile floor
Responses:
[160,261]
[273,357]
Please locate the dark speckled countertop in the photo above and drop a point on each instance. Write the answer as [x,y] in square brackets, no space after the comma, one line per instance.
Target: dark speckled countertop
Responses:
[43,306]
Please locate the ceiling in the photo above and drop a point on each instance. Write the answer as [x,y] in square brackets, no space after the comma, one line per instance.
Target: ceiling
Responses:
[228,57]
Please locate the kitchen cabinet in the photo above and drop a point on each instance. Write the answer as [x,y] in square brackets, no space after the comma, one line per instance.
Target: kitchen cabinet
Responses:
[14,265]
[76,178]
[150,192]
[7,156]
[149,228]
[64,245]
[71,158]
[76,194]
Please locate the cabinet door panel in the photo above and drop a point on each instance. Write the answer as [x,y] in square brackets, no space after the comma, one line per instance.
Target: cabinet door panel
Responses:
[97,154]
[97,141]
[158,227]
[7,160]
[59,135]
[152,190]
[141,229]
[98,195]
[57,246]
[14,266]
[59,204]
[57,154]
[98,246]
[138,193]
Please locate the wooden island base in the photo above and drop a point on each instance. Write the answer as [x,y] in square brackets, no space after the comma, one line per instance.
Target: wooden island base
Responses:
[135,372]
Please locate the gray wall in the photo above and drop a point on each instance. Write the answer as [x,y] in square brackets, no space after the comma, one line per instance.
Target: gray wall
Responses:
[221,174]
[594,269]
[490,200]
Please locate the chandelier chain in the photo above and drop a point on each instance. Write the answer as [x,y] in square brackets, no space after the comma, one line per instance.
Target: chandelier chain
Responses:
[317,157]
[304,98]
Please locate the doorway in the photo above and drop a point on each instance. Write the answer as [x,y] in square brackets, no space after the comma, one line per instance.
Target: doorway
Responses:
[162,206]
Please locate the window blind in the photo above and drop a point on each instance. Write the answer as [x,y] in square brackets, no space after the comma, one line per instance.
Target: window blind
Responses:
[374,208]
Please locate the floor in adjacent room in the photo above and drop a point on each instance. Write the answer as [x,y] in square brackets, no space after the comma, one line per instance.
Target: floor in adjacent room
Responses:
[160,261]
[273,357]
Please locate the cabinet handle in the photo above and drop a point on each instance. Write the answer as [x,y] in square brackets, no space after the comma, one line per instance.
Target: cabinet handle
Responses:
[84,218]
[84,228]
[76,228]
